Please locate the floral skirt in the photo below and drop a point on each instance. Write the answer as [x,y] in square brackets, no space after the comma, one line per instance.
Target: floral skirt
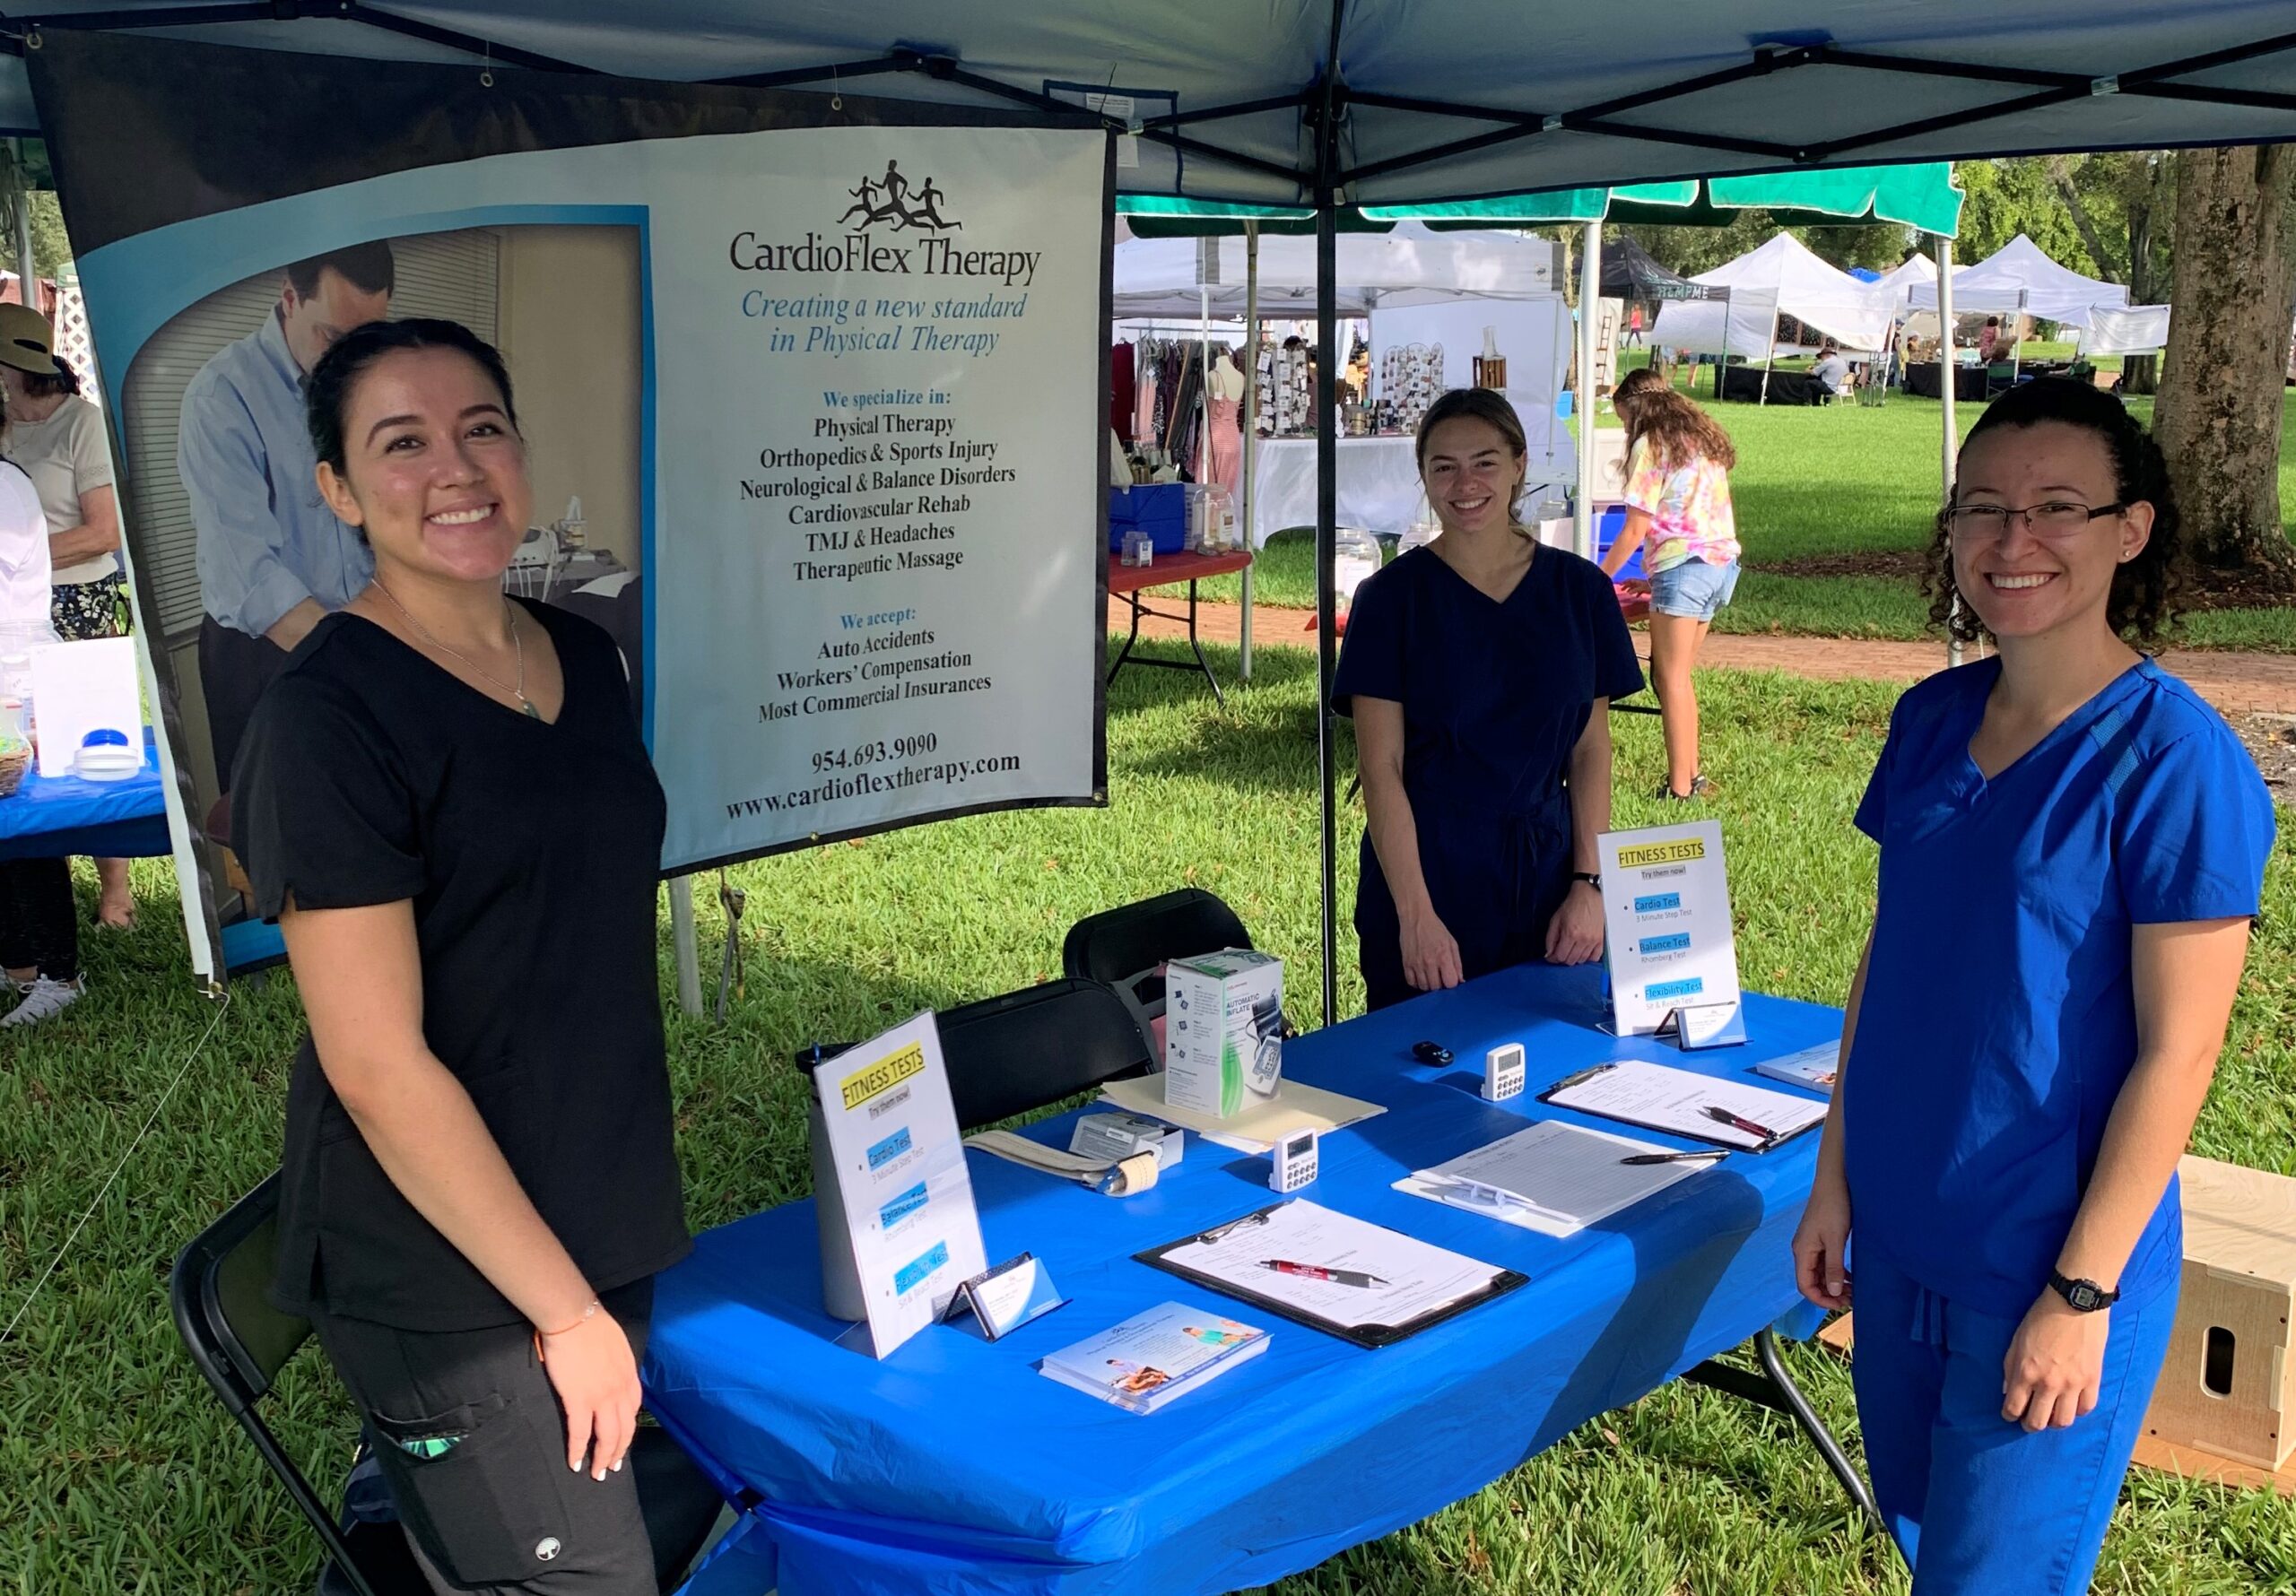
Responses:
[84,610]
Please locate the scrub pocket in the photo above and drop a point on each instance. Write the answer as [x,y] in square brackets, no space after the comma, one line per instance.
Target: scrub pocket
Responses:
[1693,590]
[480,1486]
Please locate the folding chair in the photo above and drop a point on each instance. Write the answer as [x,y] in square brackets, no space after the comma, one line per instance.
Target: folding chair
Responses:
[1033,1048]
[1125,946]
[240,1342]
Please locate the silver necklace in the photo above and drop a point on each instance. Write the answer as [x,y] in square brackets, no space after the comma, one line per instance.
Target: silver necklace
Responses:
[511,613]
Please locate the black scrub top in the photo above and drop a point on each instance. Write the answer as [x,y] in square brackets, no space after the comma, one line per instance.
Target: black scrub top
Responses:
[532,854]
[1495,695]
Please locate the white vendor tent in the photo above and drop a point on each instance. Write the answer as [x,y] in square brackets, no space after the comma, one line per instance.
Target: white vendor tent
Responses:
[1411,265]
[2018,276]
[2125,330]
[1895,287]
[1783,277]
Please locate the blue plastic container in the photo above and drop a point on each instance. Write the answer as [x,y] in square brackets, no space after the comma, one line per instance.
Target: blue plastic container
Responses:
[1607,531]
[1562,403]
[1160,509]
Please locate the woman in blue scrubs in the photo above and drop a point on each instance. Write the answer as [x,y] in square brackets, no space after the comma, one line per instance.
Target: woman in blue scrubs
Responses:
[1478,671]
[2072,847]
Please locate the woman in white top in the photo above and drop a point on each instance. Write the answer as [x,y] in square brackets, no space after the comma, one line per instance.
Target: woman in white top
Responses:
[58,439]
[39,932]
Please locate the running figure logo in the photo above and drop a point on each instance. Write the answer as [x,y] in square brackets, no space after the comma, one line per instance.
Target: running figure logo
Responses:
[892,199]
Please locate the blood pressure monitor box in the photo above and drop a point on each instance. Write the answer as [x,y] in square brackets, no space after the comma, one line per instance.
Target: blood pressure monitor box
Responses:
[1223,1030]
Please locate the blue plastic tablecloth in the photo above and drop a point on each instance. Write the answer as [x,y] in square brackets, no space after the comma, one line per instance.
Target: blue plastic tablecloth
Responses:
[65,817]
[953,1466]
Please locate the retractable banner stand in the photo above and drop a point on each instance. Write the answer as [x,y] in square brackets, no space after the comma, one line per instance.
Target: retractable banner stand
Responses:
[812,388]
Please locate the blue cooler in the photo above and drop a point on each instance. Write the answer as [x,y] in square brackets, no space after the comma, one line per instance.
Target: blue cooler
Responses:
[1607,531]
[1160,509]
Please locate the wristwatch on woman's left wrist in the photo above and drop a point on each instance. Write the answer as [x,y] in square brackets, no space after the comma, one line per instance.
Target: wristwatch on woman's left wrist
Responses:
[2084,1296]
[1589,877]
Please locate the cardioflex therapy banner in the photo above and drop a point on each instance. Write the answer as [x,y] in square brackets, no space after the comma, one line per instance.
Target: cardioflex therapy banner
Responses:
[810,393]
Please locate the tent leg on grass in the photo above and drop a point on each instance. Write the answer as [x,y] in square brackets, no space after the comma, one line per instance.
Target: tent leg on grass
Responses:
[1590,282]
[1327,131]
[685,944]
[1251,438]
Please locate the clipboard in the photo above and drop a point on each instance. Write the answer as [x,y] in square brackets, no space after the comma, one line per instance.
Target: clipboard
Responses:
[1366,1335]
[1665,1128]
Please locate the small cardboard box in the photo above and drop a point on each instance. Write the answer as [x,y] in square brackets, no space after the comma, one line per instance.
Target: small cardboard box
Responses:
[2229,1386]
[1223,1030]
[1116,1137]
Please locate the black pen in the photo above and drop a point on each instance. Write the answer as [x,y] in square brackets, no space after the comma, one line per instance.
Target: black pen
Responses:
[1738,1122]
[1710,1152]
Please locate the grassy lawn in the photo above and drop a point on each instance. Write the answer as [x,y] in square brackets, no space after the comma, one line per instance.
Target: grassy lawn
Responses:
[118,1473]
[1835,480]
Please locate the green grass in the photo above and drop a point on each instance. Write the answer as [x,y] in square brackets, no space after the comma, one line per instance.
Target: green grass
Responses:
[118,1472]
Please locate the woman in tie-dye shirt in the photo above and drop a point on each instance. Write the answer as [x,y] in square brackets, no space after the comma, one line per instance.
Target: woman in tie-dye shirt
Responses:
[1678,462]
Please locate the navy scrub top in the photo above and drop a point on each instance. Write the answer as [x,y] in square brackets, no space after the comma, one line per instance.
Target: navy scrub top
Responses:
[1999,1019]
[1494,697]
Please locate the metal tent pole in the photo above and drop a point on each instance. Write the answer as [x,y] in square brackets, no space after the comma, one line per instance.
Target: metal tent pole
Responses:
[1590,291]
[1768,360]
[686,944]
[1250,364]
[1325,117]
[26,267]
[1945,373]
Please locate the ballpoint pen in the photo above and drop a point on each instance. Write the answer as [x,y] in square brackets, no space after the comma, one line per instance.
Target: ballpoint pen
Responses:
[1337,1276]
[1709,1153]
[1747,1125]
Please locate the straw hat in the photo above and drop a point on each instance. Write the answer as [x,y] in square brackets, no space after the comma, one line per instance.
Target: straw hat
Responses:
[27,341]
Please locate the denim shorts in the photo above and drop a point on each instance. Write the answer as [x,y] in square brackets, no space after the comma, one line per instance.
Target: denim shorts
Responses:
[1693,590]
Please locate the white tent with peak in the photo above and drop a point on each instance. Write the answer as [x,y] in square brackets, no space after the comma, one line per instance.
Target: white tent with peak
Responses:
[1781,278]
[2020,276]
[1897,284]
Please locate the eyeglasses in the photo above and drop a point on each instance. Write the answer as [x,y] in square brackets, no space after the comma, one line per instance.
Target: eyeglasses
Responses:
[2052,518]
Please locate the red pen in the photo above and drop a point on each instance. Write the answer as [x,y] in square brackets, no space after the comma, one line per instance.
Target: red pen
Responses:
[1337,1276]
[1747,1125]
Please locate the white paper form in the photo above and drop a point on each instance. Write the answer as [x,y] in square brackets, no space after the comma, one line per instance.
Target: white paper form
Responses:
[1418,1278]
[1660,1097]
[1561,1178]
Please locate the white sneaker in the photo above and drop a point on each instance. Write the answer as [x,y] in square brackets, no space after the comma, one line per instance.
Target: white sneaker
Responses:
[44,999]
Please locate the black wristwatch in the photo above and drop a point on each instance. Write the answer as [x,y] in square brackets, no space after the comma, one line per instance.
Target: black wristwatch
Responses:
[1589,877]
[2085,1296]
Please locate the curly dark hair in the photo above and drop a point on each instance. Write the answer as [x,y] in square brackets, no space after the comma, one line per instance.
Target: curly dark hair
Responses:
[2142,605]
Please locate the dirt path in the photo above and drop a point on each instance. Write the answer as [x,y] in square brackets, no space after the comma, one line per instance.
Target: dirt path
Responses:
[2238,683]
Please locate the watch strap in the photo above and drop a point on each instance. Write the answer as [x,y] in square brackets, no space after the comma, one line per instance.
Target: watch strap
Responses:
[1589,877]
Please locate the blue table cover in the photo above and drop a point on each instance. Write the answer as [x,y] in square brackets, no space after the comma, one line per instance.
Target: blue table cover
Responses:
[67,817]
[953,1466]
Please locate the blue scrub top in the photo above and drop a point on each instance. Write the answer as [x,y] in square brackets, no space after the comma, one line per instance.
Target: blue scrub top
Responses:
[1999,1019]
[1494,696]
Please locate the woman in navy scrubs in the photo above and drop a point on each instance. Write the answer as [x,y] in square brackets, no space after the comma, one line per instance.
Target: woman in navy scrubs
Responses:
[1478,671]
[2073,846]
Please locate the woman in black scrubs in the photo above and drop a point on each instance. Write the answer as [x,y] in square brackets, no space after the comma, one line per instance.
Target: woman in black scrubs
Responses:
[1479,670]
[445,802]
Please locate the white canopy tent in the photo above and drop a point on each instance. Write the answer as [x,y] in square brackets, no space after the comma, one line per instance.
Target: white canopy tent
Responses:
[1783,277]
[2125,330]
[2019,276]
[1895,287]
[1412,265]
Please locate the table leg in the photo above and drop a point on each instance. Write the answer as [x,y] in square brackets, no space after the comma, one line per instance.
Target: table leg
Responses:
[1773,1388]
[1124,653]
[1202,664]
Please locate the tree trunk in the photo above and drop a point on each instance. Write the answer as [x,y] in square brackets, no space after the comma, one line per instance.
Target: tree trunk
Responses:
[2219,413]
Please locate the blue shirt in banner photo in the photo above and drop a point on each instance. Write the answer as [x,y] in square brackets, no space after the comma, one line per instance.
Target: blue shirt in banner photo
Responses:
[1999,1019]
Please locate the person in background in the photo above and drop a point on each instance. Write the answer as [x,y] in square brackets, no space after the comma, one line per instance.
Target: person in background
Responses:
[1633,325]
[39,923]
[272,557]
[1678,462]
[1479,669]
[2072,848]
[479,1183]
[1832,371]
[58,438]
[1989,340]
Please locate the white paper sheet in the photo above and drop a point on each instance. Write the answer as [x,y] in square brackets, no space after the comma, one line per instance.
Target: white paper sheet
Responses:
[1660,1097]
[1419,1279]
[1561,1178]
[1666,916]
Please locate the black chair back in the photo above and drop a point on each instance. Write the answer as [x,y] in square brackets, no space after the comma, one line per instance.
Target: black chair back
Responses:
[239,1342]
[1033,1048]
[1117,944]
